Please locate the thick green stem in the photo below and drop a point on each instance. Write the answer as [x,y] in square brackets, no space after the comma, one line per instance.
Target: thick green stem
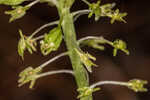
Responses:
[71,43]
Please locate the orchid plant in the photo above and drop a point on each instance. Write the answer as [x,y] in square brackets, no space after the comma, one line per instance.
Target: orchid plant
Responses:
[82,62]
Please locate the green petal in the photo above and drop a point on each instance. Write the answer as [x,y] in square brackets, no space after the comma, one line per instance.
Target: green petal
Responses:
[21,45]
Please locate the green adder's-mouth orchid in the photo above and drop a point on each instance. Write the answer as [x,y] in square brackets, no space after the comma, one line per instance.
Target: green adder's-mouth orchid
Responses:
[119,45]
[137,85]
[64,29]
[117,16]
[85,59]
[18,12]
[26,43]
[29,75]
[96,10]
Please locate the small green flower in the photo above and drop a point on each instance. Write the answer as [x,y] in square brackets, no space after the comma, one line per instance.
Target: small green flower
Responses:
[11,2]
[51,41]
[95,9]
[86,91]
[18,12]
[137,85]
[117,16]
[29,75]
[119,45]
[85,58]
[26,43]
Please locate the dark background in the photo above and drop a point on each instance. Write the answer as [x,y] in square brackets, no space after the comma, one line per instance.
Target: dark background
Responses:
[63,87]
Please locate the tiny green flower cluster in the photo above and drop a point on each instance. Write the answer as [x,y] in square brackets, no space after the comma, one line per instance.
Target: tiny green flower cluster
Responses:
[137,85]
[119,45]
[18,12]
[29,75]
[97,43]
[26,43]
[105,10]
[95,9]
[51,42]
[85,58]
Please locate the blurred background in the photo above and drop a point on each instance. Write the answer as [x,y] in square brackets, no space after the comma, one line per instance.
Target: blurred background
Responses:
[62,87]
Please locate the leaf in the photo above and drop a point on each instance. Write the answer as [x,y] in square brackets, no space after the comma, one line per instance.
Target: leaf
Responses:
[51,41]
[11,2]
[18,12]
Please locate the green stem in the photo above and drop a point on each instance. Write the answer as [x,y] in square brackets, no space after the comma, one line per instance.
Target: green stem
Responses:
[67,24]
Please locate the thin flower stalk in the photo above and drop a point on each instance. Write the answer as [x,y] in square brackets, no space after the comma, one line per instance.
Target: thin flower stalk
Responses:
[55,72]
[108,82]
[44,26]
[53,59]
